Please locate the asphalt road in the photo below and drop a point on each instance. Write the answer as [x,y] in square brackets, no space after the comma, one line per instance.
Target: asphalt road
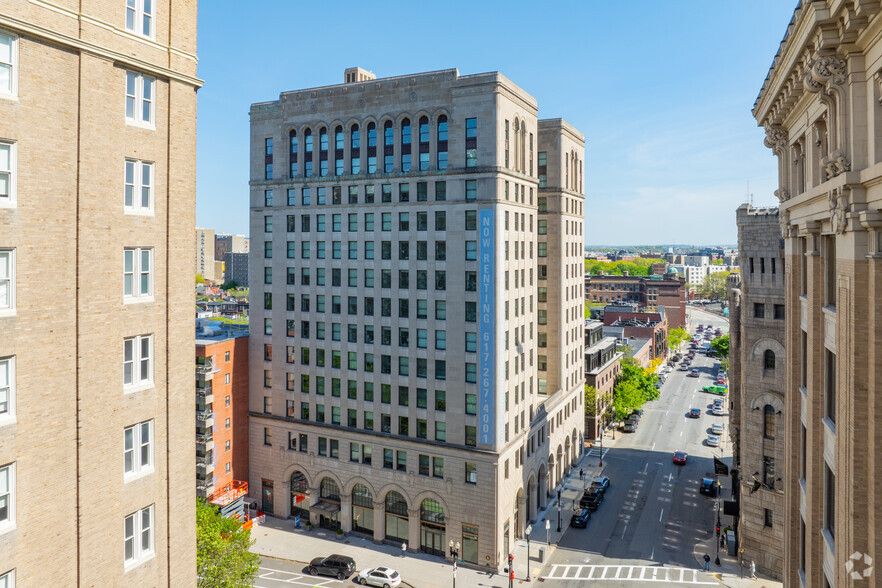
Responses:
[653,514]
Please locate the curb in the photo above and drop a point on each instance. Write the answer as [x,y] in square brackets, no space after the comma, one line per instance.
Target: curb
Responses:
[306,564]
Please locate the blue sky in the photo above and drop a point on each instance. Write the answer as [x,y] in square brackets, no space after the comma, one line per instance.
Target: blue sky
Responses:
[662,90]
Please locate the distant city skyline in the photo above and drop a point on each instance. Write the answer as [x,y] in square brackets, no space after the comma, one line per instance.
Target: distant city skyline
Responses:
[677,169]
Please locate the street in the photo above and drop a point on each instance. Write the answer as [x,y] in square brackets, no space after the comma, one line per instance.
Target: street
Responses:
[652,515]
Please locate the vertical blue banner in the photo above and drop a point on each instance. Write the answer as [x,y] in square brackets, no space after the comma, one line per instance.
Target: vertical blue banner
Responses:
[487,328]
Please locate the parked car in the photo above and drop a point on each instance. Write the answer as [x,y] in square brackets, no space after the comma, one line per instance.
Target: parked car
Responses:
[708,487]
[602,483]
[630,427]
[717,411]
[384,577]
[680,457]
[591,500]
[339,566]
[580,518]
[717,429]
[716,389]
[694,413]
[684,367]
[713,441]
[638,414]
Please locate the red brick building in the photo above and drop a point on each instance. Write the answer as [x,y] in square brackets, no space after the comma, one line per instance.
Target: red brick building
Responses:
[650,292]
[221,406]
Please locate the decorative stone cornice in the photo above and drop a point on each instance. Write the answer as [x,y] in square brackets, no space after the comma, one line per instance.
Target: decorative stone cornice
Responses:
[776,138]
[782,194]
[837,203]
[823,71]
[784,222]
[835,163]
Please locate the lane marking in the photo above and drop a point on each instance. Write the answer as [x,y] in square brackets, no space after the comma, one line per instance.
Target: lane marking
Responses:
[623,531]
[652,555]
[661,514]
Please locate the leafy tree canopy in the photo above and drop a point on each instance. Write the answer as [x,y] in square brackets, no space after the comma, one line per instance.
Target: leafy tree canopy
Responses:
[590,400]
[634,267]
[222,556]
[200,279]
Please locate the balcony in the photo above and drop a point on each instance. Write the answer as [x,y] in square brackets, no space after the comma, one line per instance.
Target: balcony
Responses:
[204,465]
[205,394]
[204,442]
[205,369]
[205,417]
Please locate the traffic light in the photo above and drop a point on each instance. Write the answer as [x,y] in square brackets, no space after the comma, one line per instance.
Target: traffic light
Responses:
[718,530]
[510,561]
[558,495]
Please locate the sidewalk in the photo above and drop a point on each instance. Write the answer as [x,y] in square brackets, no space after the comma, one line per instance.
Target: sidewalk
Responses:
[278,538]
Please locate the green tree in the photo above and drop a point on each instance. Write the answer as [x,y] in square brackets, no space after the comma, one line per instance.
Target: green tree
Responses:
[721,346]
[714,285]
[676,337]
[627,398]
[590,401]
[231,285]
[200,279]
[222,556]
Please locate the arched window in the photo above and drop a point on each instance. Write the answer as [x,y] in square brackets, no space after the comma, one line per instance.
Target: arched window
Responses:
[323,152]
[362,510]
[354,150]
[769,422]
[405,145]
[769,359]
[338,151]
[372,148]
[299,495]
[307,146]
[292,153]
[517,132]
[388,146]
[396,517]
[330,490]
[424,143]
[442,142]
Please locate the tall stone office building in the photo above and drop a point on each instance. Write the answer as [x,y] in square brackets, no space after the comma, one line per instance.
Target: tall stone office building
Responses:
[820,106]
[97,207]
[757,367]
[417,309]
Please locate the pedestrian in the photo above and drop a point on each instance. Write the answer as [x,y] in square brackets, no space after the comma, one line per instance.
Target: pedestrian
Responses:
[706,562]
[722,541]
[403,549]
[752,570]
[581,473]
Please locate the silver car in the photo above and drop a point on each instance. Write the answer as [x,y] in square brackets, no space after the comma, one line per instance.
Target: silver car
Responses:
[717,429]
[713,441]
[381,576]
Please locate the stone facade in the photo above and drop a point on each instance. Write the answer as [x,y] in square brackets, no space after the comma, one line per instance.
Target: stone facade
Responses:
[820,107]
[69,122]
[757,388]
[416,337]
[205,248]
[236,269]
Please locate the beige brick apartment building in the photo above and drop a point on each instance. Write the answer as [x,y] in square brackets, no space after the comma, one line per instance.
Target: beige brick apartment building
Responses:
[820,106]
[97,190]
[417,341]
[757,368]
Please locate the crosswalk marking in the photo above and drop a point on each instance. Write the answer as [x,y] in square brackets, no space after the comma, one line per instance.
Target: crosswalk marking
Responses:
[632,573]
[595,452]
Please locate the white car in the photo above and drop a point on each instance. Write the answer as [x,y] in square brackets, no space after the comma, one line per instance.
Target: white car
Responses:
[713,441]
[384,577]
[717,410]
[717,429]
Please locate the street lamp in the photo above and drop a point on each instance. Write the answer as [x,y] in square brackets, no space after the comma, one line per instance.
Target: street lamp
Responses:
[601,445]
[454,553]
[558,515]
[717,541]
[741,561]
[527,532]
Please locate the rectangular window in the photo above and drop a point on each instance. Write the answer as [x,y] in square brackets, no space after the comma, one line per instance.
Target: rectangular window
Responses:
[7,495]
[138,448]
[471,189]
[779,312]
[137,273]
[440,431]
[830,385]
[140,107]
[830,270]
[139,17]
[471,250]
[759,310]
[829,501]
[8,64]
[138,361]
[471,473]
[7,388]
[138,536]
[471,142]
[138,195]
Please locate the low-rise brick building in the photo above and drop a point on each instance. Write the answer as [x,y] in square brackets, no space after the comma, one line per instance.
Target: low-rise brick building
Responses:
[650,292]
[602,366]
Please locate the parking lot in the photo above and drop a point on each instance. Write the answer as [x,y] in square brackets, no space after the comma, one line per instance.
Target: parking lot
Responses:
[274,573]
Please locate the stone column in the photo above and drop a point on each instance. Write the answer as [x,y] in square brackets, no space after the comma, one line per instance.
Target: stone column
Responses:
[413,530]
[522,515]
[379,521]
[345,516]
[313,500]
[543,491]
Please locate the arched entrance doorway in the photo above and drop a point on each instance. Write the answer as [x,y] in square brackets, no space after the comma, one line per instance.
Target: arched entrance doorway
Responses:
[329,499]
[396,517]
[299,496]
[520,501]
[532,499]
[432,527]
[544,473]
[567,451]
[558,466]
[362,510]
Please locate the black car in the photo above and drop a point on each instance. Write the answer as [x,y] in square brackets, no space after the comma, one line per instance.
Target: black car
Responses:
[695,413]
[591,499]
[708,487]
[339,566]
[580,518]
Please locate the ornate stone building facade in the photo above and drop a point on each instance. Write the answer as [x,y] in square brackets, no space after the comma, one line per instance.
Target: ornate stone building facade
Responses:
[757,367]
[417,310]
[820,106]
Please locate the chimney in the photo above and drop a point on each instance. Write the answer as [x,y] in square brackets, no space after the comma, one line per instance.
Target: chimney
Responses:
[357,74]
[625,273]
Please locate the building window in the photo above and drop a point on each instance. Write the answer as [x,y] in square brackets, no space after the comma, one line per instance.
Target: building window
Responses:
[542,169]
[138,196]
[768,517]
[441,139]
[769,471]
[7,280]
[779,312]
[138,361]
[8,64]
[7,160]
[471,473]
[830,270]
[768,359]
[7,389]
[138,448]
[139,17]
[830,385]
[7,580]
[471,189]
[759,310]
[139,536]
[471,144]
[829,501]
[137,273]
[140,107]
[7,495]
[769,422]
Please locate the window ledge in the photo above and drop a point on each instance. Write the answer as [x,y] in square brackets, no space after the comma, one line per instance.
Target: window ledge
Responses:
[130,565]
[8,420]
[7,527]
[138,299]
[8,203]
[138,475]
[138,212]
[7,312]
[10,97]
[139,388]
